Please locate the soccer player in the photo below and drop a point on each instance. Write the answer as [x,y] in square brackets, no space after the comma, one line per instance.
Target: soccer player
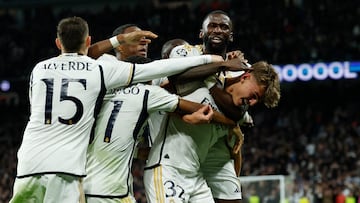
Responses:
[123,51]
[65,96]
[220,170]
[222,165]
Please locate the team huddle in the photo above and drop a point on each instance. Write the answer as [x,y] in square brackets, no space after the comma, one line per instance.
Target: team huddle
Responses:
[92,113]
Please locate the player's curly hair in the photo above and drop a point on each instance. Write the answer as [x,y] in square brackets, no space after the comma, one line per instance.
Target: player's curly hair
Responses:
[266,75]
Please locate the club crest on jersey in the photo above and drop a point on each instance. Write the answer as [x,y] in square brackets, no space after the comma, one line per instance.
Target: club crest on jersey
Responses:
[182,52]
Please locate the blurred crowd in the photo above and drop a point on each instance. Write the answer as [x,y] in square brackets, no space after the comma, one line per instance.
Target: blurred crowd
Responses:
[314,143]
[284,31]
[313,136]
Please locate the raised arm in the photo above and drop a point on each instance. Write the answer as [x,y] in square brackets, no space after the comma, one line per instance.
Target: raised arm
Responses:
[166,67]
[104,46]
[99,48]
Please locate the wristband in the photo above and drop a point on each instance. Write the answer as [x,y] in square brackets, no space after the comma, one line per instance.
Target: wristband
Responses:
[114,42]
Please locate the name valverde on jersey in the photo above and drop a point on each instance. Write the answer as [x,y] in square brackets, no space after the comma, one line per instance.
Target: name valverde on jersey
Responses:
[70,65]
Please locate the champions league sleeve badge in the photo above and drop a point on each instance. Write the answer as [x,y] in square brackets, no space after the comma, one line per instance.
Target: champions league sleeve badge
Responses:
[184,51]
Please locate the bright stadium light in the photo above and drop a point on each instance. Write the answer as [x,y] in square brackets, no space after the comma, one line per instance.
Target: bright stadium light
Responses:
[5,85]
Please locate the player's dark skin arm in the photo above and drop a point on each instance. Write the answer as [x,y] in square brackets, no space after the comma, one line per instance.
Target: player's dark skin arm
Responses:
[202,71]
[143,153]
[104,46]
[97,49]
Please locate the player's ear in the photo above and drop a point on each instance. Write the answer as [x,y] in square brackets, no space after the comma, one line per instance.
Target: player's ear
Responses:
[88,41]
[231,37]
[201,34]
[245,76]
[58,43]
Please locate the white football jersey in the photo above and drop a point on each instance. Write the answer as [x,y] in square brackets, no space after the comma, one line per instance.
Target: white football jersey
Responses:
[121,121]
[65,96]
[184,145]
[155,122]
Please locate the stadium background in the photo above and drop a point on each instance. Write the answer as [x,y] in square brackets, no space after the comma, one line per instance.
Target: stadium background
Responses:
[313,137]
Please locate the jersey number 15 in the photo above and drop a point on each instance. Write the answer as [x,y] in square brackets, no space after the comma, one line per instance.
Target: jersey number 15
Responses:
[49,82]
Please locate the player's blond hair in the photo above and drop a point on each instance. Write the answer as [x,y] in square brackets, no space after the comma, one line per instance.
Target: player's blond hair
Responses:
[266,75]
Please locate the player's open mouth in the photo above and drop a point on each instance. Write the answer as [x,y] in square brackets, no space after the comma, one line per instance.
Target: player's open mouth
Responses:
[216,40]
